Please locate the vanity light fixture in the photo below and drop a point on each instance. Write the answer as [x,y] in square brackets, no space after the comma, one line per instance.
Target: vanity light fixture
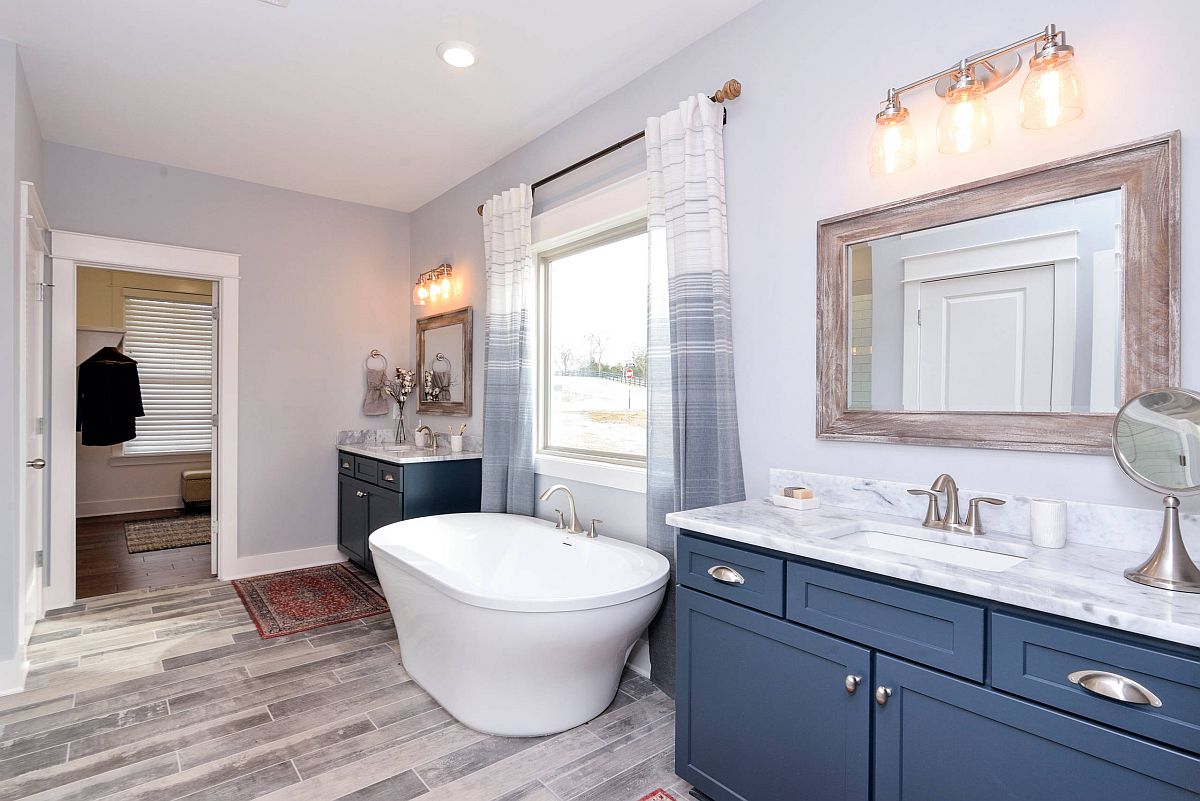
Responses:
[434,285]
[1051,96]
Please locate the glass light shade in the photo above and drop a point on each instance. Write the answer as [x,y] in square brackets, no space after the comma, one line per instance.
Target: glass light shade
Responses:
[893,145]
[445,286]
[965,123]
[419,294]
[435,290]
[1052,94]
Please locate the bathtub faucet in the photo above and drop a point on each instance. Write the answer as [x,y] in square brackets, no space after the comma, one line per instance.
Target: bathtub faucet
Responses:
[574,526]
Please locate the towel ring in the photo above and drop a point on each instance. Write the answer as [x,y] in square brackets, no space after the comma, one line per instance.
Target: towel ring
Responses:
[375,354]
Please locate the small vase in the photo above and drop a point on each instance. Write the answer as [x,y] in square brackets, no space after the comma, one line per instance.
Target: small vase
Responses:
[401,436]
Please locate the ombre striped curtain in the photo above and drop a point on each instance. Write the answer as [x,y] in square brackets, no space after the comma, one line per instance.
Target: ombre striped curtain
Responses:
[508,370]
[693,454]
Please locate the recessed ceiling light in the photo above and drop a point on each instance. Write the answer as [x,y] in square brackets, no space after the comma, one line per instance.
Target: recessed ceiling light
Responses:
[457,54]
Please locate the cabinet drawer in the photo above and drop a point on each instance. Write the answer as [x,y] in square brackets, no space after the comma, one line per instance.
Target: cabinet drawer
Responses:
[366,469]
[390,476]
[345,464]
[748,578]
[1035,660]
[924,628]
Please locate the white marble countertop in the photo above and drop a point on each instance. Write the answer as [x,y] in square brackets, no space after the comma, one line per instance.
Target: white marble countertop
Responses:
[1081,582]
[408,454]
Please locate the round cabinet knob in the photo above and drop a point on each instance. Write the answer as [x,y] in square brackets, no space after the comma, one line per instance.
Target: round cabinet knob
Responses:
[882,694]
[852,683]
[360,493]
[36,464]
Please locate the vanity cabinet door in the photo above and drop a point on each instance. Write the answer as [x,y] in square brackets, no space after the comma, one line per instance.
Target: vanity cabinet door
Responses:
[940,737]
[383,508]
[353,497]
[763,709]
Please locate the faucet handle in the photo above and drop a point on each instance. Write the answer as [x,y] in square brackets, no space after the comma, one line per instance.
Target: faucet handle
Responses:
[973,523]
[592,528]
[933,515]
[561,523]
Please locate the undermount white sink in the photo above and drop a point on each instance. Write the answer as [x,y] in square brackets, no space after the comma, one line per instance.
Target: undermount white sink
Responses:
[913,544]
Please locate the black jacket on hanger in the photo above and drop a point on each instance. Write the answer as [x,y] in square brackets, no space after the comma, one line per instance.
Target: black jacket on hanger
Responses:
[110,397]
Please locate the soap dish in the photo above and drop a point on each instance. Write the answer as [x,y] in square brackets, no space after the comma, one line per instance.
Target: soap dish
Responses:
[796,503]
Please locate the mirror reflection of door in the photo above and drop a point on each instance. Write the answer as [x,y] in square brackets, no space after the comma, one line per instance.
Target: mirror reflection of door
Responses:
[985,341]
[1015,312]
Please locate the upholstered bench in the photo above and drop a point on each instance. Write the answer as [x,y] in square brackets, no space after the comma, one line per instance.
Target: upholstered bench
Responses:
[196,488]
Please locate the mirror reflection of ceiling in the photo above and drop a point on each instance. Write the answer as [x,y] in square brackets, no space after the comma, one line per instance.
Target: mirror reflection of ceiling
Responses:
[1016,312]
[1158,437]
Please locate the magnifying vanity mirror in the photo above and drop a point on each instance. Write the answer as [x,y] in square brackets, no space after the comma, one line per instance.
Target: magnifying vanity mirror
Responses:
[1156,439]
[1018,312]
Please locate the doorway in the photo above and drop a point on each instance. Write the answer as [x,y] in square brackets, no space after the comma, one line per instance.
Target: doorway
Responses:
[125,515]
[145,358]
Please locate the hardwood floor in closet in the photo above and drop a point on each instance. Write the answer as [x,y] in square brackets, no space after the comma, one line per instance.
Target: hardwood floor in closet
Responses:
[104,565]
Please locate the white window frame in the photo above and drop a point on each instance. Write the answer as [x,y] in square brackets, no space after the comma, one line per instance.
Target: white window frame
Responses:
[119,457]
[614,207]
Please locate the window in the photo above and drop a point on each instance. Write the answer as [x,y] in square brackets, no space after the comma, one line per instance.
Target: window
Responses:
[593,346]
[170,335]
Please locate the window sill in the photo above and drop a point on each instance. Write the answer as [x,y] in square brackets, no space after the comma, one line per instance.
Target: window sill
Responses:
[118,459]
[604,474]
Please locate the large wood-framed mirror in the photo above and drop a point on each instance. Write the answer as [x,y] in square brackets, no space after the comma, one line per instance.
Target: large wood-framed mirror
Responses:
[1018,312]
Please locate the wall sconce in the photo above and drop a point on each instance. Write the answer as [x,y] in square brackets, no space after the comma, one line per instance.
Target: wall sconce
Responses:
[1051,96]
[435,285]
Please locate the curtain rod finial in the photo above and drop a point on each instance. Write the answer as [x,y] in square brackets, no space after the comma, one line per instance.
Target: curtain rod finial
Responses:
[729,91]
[479,209]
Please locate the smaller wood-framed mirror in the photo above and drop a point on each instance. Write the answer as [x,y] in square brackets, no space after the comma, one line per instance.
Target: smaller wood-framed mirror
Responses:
[444,363]
[1018,312]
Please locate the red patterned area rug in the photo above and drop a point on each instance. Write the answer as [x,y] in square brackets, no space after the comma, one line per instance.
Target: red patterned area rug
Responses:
[658,795]
[301,600]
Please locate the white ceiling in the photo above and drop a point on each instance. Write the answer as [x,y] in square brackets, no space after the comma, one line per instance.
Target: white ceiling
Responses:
[341,98]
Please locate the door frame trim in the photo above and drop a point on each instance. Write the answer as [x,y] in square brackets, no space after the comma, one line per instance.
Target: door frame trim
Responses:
[69,250]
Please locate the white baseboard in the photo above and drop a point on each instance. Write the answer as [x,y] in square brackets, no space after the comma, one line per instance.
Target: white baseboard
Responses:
[121,506]
[639,658]
[12,673]
[245,566]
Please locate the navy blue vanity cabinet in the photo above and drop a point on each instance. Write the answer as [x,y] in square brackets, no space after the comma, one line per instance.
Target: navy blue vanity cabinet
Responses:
[766,709]
[864,687]
[938,737]
[373,493]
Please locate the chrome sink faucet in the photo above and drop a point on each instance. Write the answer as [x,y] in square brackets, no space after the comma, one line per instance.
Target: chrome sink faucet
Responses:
[574,526]
[951,519]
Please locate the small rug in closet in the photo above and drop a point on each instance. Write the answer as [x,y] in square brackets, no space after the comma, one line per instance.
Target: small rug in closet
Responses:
[302,600]
[163,533]
[658,795]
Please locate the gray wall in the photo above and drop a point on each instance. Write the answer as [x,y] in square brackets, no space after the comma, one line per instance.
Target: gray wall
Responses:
[322,282]
[796,153]
[20,160]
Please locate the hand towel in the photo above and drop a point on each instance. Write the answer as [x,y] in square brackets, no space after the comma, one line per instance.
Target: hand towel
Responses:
[376,401]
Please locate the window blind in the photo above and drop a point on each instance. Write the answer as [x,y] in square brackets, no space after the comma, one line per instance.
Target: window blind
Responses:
[172,342]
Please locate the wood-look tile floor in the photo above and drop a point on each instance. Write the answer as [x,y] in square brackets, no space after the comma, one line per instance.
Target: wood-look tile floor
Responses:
[104,565]
[169,693]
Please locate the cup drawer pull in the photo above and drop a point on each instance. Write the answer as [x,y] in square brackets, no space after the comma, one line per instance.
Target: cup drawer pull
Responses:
[388,477]
[726,574]
[1111,685]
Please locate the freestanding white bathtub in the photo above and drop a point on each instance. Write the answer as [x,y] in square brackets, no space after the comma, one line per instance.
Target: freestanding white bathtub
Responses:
[515,627]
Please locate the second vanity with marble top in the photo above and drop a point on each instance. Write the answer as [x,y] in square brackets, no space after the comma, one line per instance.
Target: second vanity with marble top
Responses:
[812,665]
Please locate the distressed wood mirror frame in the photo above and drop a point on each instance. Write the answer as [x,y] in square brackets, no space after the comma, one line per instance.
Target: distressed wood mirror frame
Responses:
[427,326]
[1148,173]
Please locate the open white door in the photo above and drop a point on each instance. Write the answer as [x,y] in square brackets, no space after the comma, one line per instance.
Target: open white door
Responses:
[33,491]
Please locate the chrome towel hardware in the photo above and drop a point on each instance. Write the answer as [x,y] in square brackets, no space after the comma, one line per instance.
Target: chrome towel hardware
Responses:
[852,683]
[1114,686]
[726,574]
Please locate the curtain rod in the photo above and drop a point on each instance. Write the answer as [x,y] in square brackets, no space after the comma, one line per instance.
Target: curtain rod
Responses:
[731,89]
